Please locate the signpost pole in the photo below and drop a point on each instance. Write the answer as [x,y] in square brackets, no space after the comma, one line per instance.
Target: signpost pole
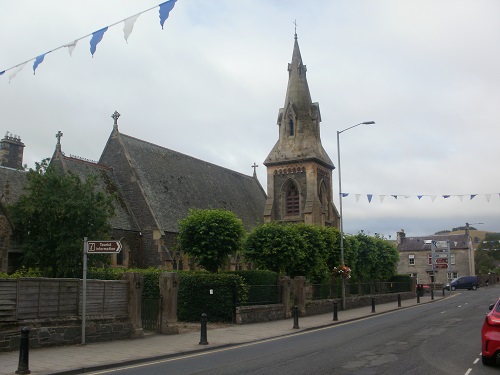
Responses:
[84,291]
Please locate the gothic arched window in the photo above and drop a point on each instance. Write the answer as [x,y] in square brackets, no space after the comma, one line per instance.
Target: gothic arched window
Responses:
[292,200]
[291,127]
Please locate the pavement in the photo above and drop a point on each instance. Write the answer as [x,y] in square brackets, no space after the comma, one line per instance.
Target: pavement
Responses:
[78,359]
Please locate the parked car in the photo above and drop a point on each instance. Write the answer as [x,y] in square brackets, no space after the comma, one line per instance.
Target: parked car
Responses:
[463,282]
[490,335]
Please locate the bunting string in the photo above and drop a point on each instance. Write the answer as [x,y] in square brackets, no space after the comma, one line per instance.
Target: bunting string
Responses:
[96,37]
[420,197]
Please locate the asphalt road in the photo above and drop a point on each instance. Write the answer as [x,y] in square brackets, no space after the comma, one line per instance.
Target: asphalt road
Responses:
[437,338]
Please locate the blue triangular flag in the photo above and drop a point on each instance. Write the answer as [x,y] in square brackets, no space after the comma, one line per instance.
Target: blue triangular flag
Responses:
[165,9]
[96,38]
[394,196]
[446,196]
[2,72]
[369,196]
[472,196]
[37,62]
[419,197]
[345,195]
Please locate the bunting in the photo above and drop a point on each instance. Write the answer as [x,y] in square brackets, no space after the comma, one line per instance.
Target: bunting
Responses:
[96,37]
[421,197]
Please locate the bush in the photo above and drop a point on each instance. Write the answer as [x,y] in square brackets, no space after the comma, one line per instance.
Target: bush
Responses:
[194,296]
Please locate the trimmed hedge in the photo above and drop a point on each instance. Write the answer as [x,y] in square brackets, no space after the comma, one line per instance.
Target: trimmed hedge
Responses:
[212,294]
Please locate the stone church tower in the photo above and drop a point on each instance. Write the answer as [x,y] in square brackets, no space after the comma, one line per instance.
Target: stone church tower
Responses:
[299,171]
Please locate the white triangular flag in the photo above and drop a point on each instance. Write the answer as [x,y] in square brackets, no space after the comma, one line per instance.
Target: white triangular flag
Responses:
[14,73]
[357,197]
[461,197]
[128,26]
[488,197]
[381,198]
[433,198]
[71,47]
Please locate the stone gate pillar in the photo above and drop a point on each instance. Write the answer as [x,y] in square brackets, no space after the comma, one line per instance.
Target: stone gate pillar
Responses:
[299,291]
[135,286]
[169,287]
[284,284]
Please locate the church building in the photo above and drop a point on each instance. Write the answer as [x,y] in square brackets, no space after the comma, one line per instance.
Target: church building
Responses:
[155,187]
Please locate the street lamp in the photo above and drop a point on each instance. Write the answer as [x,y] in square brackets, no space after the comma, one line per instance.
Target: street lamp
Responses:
[340,204]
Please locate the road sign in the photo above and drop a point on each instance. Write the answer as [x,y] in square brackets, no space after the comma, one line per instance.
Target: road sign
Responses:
[104,247]
[441,266]
[442,260]
[443,255]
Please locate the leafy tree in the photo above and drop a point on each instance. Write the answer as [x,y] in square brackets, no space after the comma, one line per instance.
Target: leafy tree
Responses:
[294,249]
[54,215]
[210,236]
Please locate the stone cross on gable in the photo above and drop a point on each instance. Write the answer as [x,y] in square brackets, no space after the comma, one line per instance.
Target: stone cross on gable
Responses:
[59,136]
[115,117]
[254,166]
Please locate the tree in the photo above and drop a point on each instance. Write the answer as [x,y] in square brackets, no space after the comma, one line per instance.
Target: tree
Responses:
[54,215]
[293,249]
[210,236]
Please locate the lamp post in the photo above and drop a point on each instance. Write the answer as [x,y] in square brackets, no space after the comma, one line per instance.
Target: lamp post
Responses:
[340,204]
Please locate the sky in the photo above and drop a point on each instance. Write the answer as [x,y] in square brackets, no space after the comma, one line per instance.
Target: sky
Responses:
[211,83]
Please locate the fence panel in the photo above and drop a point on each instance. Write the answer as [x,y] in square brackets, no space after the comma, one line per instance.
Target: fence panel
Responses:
[262,295]
[8,300]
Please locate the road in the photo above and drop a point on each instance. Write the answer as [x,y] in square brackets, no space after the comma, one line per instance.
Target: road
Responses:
[437,338]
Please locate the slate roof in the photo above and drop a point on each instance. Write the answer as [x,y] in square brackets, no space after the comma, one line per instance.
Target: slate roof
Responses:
[106,182]
[174,182]
[17,180]
[457,242]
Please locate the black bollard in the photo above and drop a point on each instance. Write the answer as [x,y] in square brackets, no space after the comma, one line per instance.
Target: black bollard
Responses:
[418,297]
[203,339]
[399,300]
[443,292]
[432,294]
[373,305]
[296,317]
[24,348]
[335,311]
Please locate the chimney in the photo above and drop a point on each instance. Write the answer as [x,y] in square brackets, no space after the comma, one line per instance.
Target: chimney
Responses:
[11,151]
[401,236]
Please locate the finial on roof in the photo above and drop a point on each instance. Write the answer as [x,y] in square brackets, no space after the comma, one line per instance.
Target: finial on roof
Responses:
[115,117]
[295,23]
[254,166]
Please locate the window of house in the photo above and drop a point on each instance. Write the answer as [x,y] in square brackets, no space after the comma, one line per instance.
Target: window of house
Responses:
[411,260]
[429,259]
[452,275]
[452,258]
[292,200]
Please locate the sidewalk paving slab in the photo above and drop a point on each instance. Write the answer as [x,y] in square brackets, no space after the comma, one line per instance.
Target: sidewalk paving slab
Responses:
[77,359]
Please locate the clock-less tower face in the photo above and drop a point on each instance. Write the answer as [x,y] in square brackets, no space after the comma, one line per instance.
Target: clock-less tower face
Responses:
[299,171]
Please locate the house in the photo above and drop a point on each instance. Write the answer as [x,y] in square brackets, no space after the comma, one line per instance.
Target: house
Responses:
[415,257]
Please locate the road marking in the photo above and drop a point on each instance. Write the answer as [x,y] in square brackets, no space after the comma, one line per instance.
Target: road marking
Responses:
[468,371]
[476,361]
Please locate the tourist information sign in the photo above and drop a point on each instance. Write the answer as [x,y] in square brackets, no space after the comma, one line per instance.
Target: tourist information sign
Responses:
[104,247]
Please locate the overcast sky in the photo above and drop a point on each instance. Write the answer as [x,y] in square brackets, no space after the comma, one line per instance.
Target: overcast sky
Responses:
[210,85]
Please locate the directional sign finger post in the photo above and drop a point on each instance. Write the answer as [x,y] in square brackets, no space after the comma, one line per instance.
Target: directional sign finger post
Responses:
[94,247]
[104,247]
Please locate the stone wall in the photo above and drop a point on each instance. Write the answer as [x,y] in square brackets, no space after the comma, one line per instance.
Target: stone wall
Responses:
[326,305]
[260,313]
[67,331]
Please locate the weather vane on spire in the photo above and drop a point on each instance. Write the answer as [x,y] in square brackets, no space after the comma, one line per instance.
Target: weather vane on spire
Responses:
[295,23]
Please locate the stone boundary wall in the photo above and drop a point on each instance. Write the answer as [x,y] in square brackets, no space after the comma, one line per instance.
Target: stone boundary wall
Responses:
[326,305]
[259,313]
[65,331]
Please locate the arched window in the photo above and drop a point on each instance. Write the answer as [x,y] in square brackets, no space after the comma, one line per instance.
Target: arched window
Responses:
[292,200]
[291,127]
[323,196]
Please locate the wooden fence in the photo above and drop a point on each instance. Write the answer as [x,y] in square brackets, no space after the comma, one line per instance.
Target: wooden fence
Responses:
[41,298]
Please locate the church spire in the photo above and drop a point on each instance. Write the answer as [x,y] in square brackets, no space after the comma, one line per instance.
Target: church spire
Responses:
[299,119]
